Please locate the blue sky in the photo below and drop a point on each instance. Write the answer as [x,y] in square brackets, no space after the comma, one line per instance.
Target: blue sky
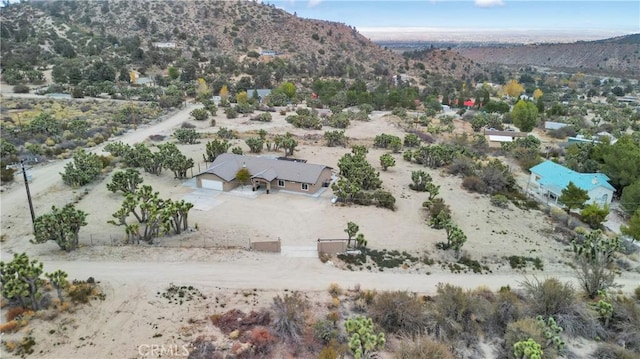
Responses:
[621,17]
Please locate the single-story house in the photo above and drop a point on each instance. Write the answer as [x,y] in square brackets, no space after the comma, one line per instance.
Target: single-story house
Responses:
[550,125]
[503,136]
[262,94]
[550,178]
[268,172]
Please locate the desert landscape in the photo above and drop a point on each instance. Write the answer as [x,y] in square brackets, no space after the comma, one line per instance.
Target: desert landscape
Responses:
[214,258]
[477,197]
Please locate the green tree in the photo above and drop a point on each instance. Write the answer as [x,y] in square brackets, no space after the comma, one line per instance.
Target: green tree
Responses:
[573,197]
[620,161]
[386,161]
[174,73]
[363,340]
[154,215]
[630,199]
[286,142]
[255,144]
[633,229]
[84,169]
[215,148]
[58,280]
[455,237]
[126,181]
[354,166]
[61,225]
[243,175]
[335,138]
[186,135]
[344,189]
[174,160]
[288,89]
[351,231]
[21,281]
[594,215]
[594,256]
[201,114]
[525,115]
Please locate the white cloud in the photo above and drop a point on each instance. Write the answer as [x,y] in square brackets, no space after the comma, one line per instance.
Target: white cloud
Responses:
[313,3]
[488,3]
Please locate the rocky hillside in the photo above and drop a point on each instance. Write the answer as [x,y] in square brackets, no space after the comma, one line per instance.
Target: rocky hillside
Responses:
[616,56]
[127,31]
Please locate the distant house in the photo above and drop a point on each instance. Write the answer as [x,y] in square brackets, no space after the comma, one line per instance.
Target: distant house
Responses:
[598,138]
[549,179]
[262,94]
[164,45]
[550,125]
[271,173]
[503,136]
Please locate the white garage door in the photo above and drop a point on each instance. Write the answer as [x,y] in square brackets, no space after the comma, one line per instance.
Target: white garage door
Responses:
[210,184]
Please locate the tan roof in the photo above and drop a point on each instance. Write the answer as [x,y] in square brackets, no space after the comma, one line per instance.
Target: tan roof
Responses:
[227,165]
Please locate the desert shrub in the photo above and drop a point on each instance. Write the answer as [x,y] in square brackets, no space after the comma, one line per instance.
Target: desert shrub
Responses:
[262,340]
[237,320]
[507,308]
[636,292]
[422,346]
[625,322]
[610,351]
[456,314]
[384,199]
[462,166]
[263,117]
[231,112]
[398,312]
[288,312]
[474,184]
[15,312]
[562,133]
[225,133]
[9,326]
[325,331]
[549,297]
[21,88]
[500,200]
[82,291]
[411,140]
[186,124]
[335,289]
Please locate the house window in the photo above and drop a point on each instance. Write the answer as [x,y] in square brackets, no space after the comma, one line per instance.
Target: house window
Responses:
[280,183]
[305,186]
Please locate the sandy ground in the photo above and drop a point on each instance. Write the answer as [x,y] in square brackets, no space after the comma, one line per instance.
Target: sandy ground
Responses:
[132,313]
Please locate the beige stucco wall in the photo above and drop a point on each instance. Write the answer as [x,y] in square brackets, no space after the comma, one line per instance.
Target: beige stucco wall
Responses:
[325,175]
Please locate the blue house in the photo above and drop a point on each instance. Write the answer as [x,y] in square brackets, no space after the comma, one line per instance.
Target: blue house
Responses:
[548,179]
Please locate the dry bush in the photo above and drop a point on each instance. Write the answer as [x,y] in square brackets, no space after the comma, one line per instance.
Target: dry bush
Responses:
[335,289]
[549,297]
[398,312]
[288,312]
[9,326]
[457,315]
[262,340]
[552,298]
[474,184]
[187,125]
[626,322]
[610,351]
[15,312]
[422,347]
[82,292]
[235,319]
[464,166]
[507,308]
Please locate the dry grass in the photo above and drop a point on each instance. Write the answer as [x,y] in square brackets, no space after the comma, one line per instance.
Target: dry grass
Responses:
[422,347]
[9,326]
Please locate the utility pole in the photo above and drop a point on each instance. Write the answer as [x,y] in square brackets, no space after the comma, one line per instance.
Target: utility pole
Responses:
[26,185]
